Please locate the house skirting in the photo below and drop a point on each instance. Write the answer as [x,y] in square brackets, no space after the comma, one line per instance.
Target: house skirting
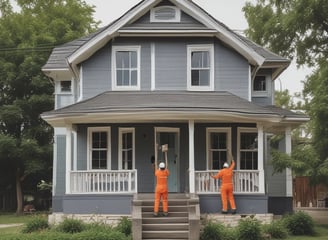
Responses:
[246,204]
[93,204]
[280,205]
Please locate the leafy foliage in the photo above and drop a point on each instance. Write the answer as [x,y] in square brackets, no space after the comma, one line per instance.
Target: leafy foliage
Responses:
[26,40]
[276,230]
[299,30]
[36,224]
[124,226]
[249,228]
[299,223]
[70,225]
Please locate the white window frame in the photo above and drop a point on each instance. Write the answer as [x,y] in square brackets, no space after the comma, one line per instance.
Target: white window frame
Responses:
[197,48]
[120,146]
[226,130]
[240,131]
[177,16]
[58,87]
[89,145]
[268,84]
[116,49]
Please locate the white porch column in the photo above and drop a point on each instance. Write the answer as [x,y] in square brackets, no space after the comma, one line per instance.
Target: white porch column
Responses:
[191,124]
[260,152]
[289,177]
[68,158]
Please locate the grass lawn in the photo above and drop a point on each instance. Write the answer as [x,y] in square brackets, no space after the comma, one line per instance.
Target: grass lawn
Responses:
[8,218]
[321,230]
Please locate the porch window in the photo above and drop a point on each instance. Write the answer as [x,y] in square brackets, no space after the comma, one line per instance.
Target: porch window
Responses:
[99,148]
[248,150]
[126,67]
[218,142]
[200,67]
[126,148]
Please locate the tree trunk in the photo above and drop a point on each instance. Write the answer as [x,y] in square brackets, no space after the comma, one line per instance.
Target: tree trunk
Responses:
[19,194]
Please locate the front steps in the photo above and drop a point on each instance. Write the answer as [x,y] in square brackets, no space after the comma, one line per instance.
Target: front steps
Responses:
[183,221]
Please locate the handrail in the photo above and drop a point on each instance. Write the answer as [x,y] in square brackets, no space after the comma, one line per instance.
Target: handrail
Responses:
[103,181]
[245,181]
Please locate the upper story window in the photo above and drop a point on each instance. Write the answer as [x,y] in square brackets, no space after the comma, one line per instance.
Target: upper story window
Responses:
[261,86]
[99,148]
[165,14]
[126,67]
[200,67]
[248,149]
[65,86]
[218,143]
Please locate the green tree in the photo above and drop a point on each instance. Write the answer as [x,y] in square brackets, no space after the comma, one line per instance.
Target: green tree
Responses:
[26,40]
[298,29]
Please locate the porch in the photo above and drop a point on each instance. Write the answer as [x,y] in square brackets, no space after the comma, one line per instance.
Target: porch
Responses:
[126,182]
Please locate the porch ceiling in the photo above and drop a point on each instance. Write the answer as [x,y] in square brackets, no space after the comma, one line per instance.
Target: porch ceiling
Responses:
[169,106]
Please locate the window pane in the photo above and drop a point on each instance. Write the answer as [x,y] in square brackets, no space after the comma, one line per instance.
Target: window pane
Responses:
[99,159]
[195,77]
[218,140]
[204,77]
[134,78]
[218,159]
[196,59]
[206,60]
[122,59]
[134,60]
[248,140]
[99,140]
[65,86]
[259,83]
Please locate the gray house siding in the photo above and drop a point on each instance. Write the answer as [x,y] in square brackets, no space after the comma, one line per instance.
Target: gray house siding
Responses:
[231,70]
[96,73]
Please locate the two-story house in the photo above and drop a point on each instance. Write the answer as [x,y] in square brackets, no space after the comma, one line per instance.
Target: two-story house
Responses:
[166,72]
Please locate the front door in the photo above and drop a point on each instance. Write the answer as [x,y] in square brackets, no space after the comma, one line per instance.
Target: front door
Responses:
[169,136]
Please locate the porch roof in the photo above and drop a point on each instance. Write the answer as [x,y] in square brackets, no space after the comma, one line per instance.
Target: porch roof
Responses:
[169,106]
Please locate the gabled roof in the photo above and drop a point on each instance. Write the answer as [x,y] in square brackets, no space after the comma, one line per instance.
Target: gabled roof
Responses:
[71,54]
[172,105]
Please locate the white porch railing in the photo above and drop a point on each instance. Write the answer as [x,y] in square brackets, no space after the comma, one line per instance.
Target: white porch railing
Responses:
[245,181]
[104,181]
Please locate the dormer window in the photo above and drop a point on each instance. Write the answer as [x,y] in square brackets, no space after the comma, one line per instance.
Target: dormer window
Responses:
[261,85]
[165,14]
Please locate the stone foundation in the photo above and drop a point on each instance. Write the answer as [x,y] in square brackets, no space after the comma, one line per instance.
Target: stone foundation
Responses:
[57,218]
[232,220]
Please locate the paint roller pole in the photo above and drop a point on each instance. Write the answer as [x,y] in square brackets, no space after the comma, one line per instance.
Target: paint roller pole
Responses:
[165,149]
[230,157]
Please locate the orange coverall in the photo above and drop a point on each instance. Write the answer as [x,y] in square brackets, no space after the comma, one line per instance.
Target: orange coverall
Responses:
[161,190]
[226,175]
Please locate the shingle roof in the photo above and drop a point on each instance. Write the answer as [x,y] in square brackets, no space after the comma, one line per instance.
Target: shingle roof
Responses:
[57,59]
[128,102]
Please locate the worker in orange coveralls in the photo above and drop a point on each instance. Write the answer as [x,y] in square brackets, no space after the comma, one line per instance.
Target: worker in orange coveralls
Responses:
[226,175]
[161,190]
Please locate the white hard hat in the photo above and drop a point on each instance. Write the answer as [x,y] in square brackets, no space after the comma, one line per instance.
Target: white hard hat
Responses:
[225,165]
[162,165]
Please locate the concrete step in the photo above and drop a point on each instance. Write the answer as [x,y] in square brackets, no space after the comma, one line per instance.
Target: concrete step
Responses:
[165,227]
[170,214]
[172,208]
[165,234]
[163,220]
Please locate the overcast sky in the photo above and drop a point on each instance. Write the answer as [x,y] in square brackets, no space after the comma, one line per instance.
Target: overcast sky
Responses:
[227,11]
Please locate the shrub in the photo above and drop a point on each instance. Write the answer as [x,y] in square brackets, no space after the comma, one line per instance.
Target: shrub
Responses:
[299,223]
[124,226]
[249,228]
[35,224]
[70,225]
[213,231]
[276,229]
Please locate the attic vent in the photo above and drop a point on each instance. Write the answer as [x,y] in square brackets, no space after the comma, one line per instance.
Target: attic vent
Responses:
[165,14]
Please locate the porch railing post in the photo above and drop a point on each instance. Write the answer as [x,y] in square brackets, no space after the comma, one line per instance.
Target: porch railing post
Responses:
[191,124]
[260,147]
[289,178]
[68,158]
